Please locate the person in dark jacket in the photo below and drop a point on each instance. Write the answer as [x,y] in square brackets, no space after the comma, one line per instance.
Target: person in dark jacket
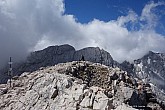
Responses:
[82,58]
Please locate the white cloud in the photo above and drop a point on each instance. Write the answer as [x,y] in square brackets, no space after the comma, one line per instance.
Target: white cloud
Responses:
[149,16]
[34,24]
[131,17]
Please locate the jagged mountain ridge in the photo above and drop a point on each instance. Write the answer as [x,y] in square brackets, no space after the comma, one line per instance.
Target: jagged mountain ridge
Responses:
[59,54]
[154,62]
[151,68]
[64,53]
[155,71]
[77,85]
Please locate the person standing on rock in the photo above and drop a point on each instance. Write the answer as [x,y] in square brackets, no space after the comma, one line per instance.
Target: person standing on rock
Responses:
[82,58]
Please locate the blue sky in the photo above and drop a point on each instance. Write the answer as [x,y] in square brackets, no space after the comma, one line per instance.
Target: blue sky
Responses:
[87,10]
[127,29]
[107,10]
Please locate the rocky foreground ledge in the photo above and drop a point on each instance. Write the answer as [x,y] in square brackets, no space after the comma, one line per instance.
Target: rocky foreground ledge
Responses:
[78,86]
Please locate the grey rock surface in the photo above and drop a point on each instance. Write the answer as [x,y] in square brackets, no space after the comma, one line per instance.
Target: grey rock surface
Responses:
[151,68]
[58,88]
[58,54]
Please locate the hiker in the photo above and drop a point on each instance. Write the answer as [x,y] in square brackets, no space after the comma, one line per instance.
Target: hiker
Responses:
[82,58]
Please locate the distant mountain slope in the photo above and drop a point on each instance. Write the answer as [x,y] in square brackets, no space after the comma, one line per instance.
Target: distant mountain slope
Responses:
[94,54]
[151,68]
[59,54]
[64,53]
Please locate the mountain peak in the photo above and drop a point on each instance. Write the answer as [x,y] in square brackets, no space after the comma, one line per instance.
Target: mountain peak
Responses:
[75,85]
[53,55]
[150,52]
[65,47]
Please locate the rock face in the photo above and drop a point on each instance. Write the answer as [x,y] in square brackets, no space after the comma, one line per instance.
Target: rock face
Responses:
[65,53]
[151,67]
[49,56]
[94,55]
[72,86]
[59,54]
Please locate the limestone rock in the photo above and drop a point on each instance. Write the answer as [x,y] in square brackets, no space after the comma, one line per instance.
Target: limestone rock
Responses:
[53,55]
[71,86]
[47,89]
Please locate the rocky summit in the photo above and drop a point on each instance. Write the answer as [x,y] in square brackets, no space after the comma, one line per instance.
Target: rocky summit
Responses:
[62,54]
[58,54]
[78,85]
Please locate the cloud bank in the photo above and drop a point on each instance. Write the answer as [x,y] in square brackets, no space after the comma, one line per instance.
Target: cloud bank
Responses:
[28,25]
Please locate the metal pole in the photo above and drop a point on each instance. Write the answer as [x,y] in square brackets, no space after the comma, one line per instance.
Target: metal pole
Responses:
[10,70]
